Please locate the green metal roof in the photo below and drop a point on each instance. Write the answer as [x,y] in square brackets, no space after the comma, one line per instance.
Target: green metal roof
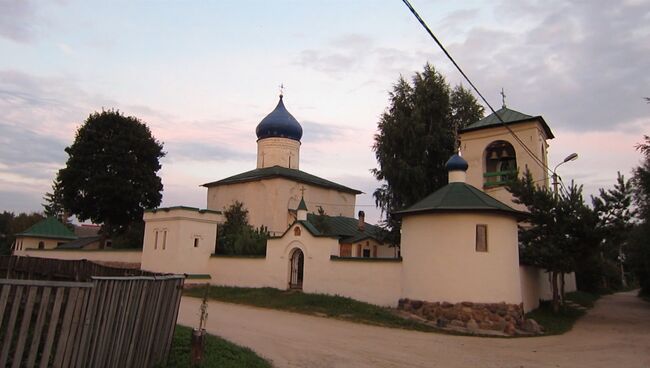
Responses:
[509,117]
[345,228]
[49,228]
[459,197]
[281,172]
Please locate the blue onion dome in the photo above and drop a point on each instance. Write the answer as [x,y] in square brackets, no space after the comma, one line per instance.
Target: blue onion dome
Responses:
[279,123]
[456,163]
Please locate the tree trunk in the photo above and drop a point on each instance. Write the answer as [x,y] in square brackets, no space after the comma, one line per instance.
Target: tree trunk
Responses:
[620,259]
[554,288]
[562,287]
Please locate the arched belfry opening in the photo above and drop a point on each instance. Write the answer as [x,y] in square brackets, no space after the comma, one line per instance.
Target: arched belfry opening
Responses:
[297,264]
[500,164]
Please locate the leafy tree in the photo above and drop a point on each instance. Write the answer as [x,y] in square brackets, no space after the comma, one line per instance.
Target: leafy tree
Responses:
[417,135]
[111,173]
[639,247]
[559,231]
[615,212]
[237,236]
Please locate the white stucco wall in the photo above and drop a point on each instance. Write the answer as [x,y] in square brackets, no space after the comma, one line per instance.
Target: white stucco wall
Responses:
[441,262]
[113,255]
[178,253]
[268,201]
[536,286]
[474,143]
[23,243]
[376,282]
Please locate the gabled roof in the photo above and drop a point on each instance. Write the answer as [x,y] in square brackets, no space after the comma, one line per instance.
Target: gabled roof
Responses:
[459,197]
[49,228]
[508,116]
[346,229]
[80,243]
[281,172]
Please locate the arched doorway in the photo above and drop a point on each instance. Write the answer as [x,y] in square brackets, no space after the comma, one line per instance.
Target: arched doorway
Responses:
[297,269]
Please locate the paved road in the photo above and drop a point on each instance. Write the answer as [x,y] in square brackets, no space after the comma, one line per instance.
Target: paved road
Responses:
[616,333]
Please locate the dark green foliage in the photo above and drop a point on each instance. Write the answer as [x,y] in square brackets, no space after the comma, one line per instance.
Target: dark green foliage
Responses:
[111,173]
[417,135]
[639,242]
[131,237]
[320,222]
[559,233]
[616,215]
[11,224]
[236,236]
[219,353]
[331,306]
[53,206]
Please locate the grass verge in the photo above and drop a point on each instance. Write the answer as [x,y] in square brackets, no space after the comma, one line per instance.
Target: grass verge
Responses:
[563,321]
[314,304]
[218,353]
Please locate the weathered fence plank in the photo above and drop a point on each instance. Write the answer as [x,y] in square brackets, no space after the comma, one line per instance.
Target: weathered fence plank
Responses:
[24,327]
[40,321]
[117,320]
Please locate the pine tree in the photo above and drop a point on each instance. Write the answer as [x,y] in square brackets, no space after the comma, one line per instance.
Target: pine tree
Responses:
[416,136]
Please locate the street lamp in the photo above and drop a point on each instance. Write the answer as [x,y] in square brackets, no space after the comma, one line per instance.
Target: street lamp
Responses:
[570,157]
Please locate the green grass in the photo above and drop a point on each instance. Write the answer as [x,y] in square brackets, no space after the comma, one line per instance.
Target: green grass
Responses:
[563,321]
[313,304]
[218,353]
[585,299]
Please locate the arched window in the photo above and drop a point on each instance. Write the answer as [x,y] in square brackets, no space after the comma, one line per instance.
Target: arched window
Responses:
[500,164]
[41,245]
[296,231]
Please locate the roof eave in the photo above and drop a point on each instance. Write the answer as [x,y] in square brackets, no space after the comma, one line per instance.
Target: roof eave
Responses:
[545,126]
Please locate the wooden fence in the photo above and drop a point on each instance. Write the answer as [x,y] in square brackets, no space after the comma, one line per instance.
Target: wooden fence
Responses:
[16,267]
[109,321]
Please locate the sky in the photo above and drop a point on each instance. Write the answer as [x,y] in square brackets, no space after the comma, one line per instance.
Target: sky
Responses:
[202,74]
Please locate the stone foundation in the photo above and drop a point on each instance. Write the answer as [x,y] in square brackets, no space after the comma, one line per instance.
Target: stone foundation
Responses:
[473,317]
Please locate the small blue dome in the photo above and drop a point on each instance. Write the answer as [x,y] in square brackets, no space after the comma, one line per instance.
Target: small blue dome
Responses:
[279,123]
[456,163]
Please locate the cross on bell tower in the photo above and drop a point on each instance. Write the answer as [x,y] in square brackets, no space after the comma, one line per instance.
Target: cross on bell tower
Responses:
[503,98]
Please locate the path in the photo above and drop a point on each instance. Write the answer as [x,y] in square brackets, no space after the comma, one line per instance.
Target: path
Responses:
[616,333]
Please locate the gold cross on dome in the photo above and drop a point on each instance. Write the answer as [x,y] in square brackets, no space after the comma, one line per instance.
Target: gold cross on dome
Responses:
[302,190]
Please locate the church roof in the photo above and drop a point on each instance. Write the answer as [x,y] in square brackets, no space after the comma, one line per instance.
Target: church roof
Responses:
[281,172]
[302,205]
[80,243]
[49,228]
[459,197]
[508,116]
[346,229]
[279,123]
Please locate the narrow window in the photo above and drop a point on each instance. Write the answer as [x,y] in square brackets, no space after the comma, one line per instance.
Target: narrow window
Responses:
[366,253]
[164,242]
[196,242]
[481,238]
[374,251]
[41,245]
[296,231]
[155,242]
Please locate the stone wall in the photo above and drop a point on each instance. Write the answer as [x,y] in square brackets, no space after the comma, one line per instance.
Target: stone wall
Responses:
[479,318]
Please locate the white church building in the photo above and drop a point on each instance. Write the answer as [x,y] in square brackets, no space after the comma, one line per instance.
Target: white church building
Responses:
[458,244]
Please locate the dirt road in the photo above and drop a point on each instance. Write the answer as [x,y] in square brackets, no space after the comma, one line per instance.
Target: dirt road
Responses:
[616,333]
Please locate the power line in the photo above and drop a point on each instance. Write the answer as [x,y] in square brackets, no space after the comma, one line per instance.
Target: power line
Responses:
[426,27]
